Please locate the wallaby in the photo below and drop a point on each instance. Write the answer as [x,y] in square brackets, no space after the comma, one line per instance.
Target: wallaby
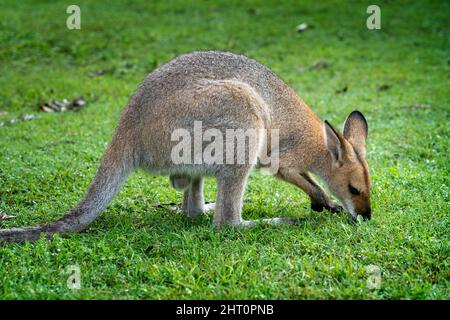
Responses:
[223,90]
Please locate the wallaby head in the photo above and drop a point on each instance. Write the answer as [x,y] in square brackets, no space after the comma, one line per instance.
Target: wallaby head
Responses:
[349,178]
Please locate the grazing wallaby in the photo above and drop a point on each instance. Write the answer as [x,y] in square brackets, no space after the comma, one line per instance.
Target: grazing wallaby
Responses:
[223,91]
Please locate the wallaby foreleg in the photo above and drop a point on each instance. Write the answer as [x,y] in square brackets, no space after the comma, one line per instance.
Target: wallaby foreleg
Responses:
[319,199]
[193,200]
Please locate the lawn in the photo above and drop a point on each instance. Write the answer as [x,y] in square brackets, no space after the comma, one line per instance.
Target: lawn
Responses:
[397,76]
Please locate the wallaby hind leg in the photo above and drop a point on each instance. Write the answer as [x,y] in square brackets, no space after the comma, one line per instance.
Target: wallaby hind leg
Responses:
[229,204]
[230,192]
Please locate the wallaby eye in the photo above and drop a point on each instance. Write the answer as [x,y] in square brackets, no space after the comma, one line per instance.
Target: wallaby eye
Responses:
[353,190]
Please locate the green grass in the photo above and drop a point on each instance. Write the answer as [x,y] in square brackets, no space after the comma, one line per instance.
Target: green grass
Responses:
[136,250]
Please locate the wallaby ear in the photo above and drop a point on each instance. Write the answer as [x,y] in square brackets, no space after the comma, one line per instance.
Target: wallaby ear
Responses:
[355,131]
[333,143]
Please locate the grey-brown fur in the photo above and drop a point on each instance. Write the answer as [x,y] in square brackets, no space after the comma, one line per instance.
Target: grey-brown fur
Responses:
[224,91]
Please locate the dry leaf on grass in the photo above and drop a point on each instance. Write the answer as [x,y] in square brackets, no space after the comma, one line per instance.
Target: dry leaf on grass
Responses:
[342,90]
[64,105]
[5,216]
[303,27]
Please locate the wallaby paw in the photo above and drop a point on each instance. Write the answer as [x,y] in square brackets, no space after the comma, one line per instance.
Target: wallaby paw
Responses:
[333,207]
[318,207]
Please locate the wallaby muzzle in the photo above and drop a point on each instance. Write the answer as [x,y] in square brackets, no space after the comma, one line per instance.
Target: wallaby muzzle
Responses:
[367,214]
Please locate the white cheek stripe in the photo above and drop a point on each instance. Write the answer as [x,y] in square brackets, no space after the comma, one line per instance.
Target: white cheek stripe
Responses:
[350,208]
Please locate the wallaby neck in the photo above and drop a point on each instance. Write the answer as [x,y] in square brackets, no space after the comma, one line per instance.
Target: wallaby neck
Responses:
[322,164]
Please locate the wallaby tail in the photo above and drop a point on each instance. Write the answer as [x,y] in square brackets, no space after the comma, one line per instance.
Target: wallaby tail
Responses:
[115,166]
